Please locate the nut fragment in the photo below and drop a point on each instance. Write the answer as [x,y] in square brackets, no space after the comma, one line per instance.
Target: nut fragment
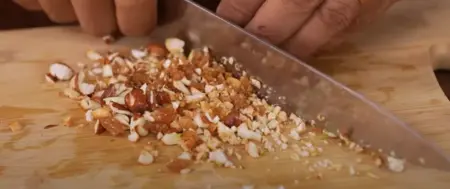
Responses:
[101,113]
[93,55]
[67,121]
[178,165]
[175,45]
[219,157]
[252,150]
[145,158]
[50,78]
[86,88]
[72,94]
[89,104]
[136,101]
[61,71]
[15,126]
[395,164]
[98,129]
[113,126]
[171,139]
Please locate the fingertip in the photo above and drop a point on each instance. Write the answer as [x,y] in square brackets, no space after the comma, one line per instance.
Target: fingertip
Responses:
[59,11]
[136,18]
[96,17]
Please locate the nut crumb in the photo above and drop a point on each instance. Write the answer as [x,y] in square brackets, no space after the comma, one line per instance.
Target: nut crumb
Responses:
[15,126]
[68,122]
[372,175]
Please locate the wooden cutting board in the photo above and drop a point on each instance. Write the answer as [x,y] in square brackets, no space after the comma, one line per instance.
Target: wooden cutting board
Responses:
[388,63]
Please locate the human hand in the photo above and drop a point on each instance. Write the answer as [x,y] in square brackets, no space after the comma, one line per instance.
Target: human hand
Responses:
[302,27]
[100,17]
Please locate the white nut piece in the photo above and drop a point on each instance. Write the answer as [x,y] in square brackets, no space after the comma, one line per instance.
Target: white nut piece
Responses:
[86,88]
[171,139]
[175,45]
[141,130]
[88,115]
[72,94]
[219,157]
[138,54]
[252,150]
[88,104]
[107,70]
[118,100]
[133,136]
[395,164]
[145,158]
[245,133]
[93,55]
[122,118]
[61,71]
[185,156]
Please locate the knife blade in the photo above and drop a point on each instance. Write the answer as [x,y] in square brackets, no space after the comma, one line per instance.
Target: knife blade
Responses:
[300,88]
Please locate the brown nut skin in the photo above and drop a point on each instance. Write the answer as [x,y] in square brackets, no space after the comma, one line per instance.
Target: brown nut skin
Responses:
[232,119]
[162,97]
[190,139]
[157,50]
[164,115]
[136,101]
[177,165]
[110,91]
[113,126]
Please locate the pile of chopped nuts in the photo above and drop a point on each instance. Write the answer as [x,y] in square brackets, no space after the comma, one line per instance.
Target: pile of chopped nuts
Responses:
[192,102]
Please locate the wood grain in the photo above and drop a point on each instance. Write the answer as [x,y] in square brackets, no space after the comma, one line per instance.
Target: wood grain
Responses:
[388,63]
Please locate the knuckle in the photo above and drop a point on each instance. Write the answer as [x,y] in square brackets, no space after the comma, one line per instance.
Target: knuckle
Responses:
[303,4]
[339,14]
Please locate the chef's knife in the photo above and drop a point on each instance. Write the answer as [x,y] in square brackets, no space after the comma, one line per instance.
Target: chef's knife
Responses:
[302,89]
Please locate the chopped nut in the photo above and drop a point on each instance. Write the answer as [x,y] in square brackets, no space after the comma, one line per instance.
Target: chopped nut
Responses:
[185,156]
[89,104]
[178,165]
[15,126]
[171,139]
[175,45]
[145,158]
[372,175]
[245,133]
[86,88]
[88,115]
[112,125]
[72,94]
[107,70]
[138,54]
[136,101]
[193,102]
[252,150]
[352,171]
[68,122]
[61,71]
[395,165]
[185,171]
[133,136]
[101,113]
[98,129]
[219,157]
[94,56]
[50,78]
